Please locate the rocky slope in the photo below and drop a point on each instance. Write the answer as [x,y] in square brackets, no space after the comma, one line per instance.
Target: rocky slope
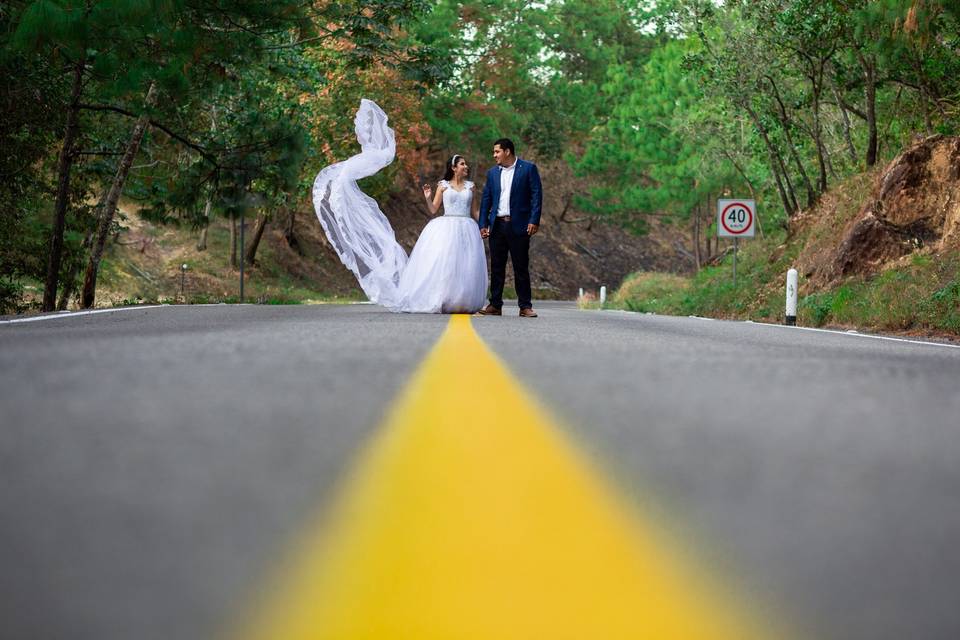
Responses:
[912,206]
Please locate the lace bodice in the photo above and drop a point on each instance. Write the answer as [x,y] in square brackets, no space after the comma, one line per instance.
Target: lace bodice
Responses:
[457,203]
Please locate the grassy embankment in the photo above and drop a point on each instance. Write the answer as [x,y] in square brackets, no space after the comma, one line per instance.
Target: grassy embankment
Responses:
[919,293]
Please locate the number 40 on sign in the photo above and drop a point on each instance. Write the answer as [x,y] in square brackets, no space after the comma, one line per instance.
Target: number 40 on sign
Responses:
[736,218]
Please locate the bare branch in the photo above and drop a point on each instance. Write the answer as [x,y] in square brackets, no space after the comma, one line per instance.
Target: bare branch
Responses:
[158,125]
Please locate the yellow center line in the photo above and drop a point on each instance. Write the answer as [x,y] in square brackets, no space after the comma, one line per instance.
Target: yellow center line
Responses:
[471,516]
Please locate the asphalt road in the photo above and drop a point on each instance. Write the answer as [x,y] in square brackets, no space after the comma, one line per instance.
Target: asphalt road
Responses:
[154,461]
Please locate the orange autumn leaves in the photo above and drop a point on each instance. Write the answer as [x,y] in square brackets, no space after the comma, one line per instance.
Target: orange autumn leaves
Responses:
[331,107]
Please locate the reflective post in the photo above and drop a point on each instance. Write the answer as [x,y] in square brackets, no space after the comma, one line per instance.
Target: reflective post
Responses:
[790,317]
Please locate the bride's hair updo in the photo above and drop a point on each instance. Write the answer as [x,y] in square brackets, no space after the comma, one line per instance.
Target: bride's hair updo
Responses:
[451,163]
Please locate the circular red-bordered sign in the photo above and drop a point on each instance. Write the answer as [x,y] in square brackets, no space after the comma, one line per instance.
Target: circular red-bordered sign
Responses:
[746,227]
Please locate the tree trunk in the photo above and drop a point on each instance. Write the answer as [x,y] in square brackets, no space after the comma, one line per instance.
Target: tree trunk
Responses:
[68,288]
[775,162]
[927,122]
[829,160]
[925,95]
[791,192]
[818,140]
[811,196]
[71,281]
[815,76]
[233,242]
[288,233]
[785,121]
[108,206]
[696,238]
[64,164]
[710,209]
[257,235]
[845,117]
[784,200]
[202,240]
[870,96]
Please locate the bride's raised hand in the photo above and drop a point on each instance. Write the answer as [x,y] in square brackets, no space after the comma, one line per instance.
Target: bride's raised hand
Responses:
[434,204]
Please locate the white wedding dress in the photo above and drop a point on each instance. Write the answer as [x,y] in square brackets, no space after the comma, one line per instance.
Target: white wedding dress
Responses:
[447,269]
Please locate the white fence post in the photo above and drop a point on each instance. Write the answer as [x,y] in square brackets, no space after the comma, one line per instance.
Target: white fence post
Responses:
[603,295]
[791,315]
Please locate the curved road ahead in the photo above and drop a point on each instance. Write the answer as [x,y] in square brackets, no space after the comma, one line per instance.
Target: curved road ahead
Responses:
[155,462]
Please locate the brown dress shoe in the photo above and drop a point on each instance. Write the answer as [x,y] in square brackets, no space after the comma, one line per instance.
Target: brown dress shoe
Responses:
[490,310]
[528,313]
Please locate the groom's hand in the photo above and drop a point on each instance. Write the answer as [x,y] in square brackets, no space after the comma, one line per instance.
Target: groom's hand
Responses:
[532,229]
[485,232]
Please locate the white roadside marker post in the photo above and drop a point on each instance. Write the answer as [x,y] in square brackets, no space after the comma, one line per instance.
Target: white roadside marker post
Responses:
[603,295]
[580,295]
[791,315]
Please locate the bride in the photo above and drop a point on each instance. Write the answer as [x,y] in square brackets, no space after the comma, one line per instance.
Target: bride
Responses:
[447,269]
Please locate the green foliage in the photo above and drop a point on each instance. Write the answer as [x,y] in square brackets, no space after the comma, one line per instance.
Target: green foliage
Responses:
[770,100]
[821,307]
[529,72]
[649,154]
[225,127]
[651,292]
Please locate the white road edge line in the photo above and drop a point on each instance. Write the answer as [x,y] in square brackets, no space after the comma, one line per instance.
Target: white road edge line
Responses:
[851,332]
[856,334]
[74,314]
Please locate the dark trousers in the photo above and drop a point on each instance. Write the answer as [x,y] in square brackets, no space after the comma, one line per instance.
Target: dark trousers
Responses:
[504,240]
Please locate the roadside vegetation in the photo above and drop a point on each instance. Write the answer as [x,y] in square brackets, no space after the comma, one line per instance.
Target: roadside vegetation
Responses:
[919,292]
[921,296]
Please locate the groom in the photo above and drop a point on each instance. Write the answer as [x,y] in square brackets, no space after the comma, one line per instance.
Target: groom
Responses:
[509,217]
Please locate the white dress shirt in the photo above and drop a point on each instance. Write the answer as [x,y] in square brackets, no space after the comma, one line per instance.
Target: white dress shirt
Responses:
[506,182]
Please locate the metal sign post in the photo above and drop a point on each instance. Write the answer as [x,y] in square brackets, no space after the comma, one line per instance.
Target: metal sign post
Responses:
[736,219]
[736,248]
[240,256]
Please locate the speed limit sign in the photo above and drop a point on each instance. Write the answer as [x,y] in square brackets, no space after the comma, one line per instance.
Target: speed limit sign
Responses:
[736,218]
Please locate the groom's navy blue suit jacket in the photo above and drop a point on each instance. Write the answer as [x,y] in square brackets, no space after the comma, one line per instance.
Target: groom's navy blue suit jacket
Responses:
[526,197]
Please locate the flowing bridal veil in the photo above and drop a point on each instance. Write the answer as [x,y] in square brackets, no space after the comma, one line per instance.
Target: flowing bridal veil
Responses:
[446,271]
[359,232]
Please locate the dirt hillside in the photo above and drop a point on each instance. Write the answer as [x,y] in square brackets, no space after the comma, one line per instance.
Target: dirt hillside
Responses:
[911,206]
